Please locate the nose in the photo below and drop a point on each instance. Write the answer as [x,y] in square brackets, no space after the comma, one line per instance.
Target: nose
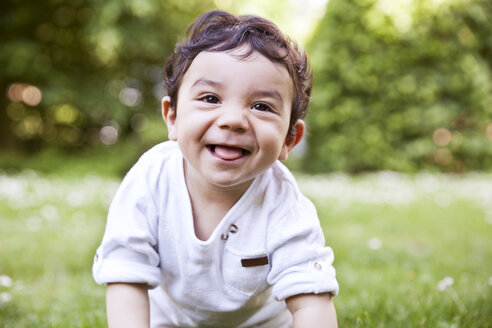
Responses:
[233,117]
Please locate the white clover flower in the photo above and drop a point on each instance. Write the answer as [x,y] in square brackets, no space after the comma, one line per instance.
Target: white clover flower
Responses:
[76,198]
[49,212]
[374,243]
[5,281]
[5,297]
[445,283]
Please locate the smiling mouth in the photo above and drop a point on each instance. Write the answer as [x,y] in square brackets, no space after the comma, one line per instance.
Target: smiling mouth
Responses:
[227,153]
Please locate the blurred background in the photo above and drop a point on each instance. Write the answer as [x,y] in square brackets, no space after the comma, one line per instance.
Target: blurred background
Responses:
[397,156]
[399,85]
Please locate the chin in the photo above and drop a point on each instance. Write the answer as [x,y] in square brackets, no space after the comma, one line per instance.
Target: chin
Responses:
[225,182]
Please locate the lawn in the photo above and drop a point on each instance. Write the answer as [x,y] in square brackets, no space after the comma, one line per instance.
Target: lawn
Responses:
[411,251]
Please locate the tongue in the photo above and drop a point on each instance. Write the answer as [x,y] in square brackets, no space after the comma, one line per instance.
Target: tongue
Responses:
[228,153]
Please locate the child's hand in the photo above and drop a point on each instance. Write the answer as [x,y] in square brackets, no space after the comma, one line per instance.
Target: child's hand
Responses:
[312,310]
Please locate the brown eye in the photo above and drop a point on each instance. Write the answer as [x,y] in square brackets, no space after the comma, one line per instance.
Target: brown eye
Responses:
[210,99]
[262,107]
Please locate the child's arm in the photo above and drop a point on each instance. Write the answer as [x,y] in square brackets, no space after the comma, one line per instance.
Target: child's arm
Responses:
[311,310]
[127,305]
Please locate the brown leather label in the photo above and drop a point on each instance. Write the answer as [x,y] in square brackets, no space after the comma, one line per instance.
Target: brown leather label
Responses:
[254,261]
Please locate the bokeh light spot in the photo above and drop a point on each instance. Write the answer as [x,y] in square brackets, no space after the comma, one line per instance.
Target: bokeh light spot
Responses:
[32,95]
[29,94]
[66,114]
[442,137]
[374,243]
[130,97]
[443,156]
[5,297]
[15,91]
[5,281]
[108,135]
[30,126]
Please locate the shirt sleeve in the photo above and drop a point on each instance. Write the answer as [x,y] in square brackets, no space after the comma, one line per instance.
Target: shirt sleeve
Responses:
[301,263]
[128,251]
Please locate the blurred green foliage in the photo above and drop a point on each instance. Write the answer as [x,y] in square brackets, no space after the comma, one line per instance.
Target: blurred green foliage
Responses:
[399,85]
[402,85]
[80,72]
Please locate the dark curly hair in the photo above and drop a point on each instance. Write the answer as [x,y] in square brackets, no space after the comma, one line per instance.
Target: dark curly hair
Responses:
[221,31]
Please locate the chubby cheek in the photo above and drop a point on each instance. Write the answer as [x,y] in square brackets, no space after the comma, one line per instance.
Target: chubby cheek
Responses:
[271,144]
[191,126]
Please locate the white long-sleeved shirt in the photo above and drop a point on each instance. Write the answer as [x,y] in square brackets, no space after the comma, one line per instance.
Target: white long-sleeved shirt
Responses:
[269,246]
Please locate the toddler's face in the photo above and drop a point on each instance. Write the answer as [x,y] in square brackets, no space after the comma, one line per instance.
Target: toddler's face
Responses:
[232,117]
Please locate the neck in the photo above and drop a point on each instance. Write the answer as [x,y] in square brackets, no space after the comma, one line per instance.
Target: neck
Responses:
[199,188]
[210,203]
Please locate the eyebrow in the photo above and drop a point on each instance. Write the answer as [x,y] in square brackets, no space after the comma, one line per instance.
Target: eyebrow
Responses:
[212,83]
[269,94]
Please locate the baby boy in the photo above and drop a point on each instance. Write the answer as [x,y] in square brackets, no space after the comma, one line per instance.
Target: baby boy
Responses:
[209,229]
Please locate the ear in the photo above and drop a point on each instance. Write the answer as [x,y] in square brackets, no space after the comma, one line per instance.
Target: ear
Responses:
[169,116]
[291,140]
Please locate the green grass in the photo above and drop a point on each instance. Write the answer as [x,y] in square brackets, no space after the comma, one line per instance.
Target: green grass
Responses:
[50,229]
[395,239]
[417,240]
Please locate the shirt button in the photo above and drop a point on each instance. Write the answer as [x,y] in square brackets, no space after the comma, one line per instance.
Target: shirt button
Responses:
[233,228]
[317,266]
[224,236]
